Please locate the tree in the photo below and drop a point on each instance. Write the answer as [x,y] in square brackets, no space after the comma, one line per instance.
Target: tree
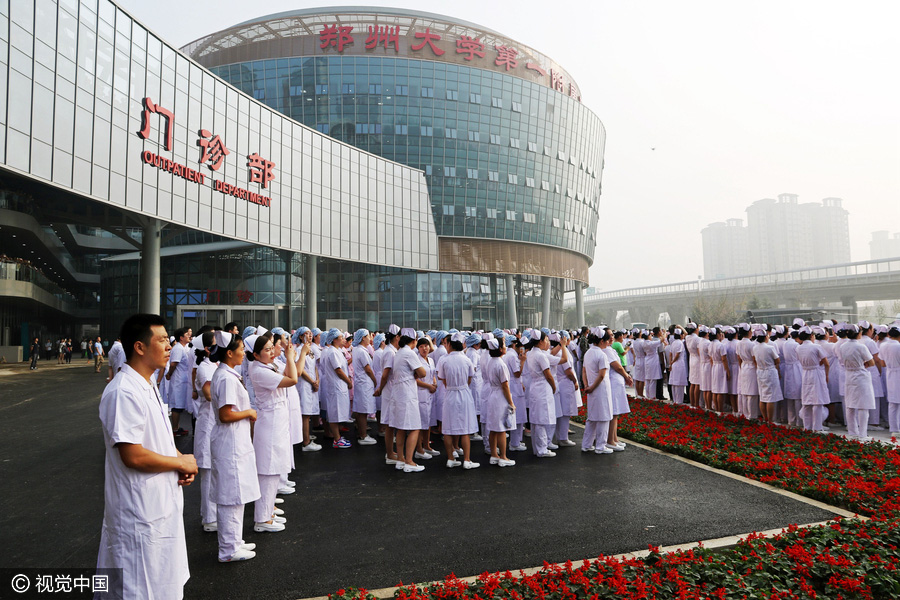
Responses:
[715,309]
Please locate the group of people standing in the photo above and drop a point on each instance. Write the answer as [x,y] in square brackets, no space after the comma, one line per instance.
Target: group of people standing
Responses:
[803,375]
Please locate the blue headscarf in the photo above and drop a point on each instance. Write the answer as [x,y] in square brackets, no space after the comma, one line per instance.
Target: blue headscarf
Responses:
[315,331]
[498,332]
[452,331]
[298,334]
[545,330]
[473,340]
[332,334]
[248,331]
[379,339]
[359,335]
[278,331]
[510,340]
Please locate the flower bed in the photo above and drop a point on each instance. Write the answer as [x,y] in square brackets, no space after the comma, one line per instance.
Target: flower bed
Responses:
[848,559]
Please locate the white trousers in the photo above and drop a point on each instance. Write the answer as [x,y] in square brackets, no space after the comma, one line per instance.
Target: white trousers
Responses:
[678,393]
[515,436]
[813,416]
[793,411]
[595,434]
[894,417]
[207,506]
[264,508]
[562,428]
[650,388]
[857,422]
[540,438]
[230,526]
[875,413]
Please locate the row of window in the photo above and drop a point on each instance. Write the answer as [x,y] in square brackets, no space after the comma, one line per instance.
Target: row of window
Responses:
[449,210]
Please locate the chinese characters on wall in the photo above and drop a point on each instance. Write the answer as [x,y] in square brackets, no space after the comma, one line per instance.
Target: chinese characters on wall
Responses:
[338,37]
[213,153]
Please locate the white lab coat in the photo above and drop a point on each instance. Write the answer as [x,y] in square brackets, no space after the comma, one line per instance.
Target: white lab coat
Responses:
[599,401]
[541,404]
[143,527]
[859,391]
[496,408]
[271,434]
[404,397]
[234,478]
[767,373]
[337,394]
[205,419]
[363,388]
[814,389]
[458,416]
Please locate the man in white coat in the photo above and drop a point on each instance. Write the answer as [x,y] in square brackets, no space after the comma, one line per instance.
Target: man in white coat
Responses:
[143,526]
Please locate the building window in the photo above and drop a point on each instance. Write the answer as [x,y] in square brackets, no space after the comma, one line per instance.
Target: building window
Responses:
[529,181]
[513,143]
[452,95]
[497,102]
[570,192]
[259,94]
[472,173]
[401,129]
[449,171]
[569,225]
[493,176]
[428,169]
[348,88]
[450,133]
[427,130]
[475,98]
[517,106]
[471,211]
[514,179]
[321,89]
[561,156]
[555,222]
[492,213]
[558,189]
[545,185]
[495,138]
[323,128]
[368,128]
[402,90]
[427,92]
[474,136]
[547,151]
[510,215]
[374,88]
[532,147]
[572,159]
[449,210]
[467,287]
[296,90]
[529,217]
[485,288]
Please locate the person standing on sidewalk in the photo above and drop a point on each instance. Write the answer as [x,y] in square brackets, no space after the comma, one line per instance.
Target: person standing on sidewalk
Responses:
[35,352]
[98,355]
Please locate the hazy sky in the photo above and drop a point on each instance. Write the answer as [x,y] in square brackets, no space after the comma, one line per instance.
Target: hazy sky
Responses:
[740,100]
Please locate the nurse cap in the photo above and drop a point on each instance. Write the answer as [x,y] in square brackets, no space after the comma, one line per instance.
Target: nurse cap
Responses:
[806,329]
[554,337]
[250,342]
[497,332]
[881,329]
[487,336]
[358,335]
[863,325]
[526,338]
[248,331]
[223,338]
[458,337]
[545,330]
[333,334]
[691,326]
[493,344]
[393,329]
[408,332]
[473,340]
[260,330]
[799,322]
[510,340]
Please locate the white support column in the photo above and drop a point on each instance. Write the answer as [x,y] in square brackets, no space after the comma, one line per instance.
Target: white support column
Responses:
[511,316]
[312,274]
[546,293]
[150,285]
[579,304]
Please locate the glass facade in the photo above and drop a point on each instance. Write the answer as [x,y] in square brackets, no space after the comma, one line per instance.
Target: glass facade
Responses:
[504,158]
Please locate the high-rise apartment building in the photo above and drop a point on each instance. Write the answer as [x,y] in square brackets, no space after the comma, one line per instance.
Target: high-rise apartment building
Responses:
[884,245]
[780,235]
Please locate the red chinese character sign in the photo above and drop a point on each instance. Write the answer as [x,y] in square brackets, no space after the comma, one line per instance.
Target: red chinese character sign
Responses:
[388,36]
[429,39]
[335,36]
[469,47]
[261,170]
[150,109]
[214,150]
[506,57]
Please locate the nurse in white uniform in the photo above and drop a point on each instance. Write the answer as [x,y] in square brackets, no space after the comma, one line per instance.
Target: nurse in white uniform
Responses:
[426,389]
[499,406]
[599,394]
[308,387]
[766,357]
[515,355]
[143,527]
[336,385]
[569,394]
[233,461]
[678,376]
[748,387]
[890,354]
[363,385]
[405,417]
[539,366]
[866,338]
[385,391]
[618,379]
[178,377]
[792,376]
[719,373]
[203,428]
[814,389]
[859,398]
[271,438]
[705,394]
[652,367]
[458,418]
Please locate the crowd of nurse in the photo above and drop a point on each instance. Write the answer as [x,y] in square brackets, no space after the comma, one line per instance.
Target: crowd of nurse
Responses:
[252,396]
[802,375]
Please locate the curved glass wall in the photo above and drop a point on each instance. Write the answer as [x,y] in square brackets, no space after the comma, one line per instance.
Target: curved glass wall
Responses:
[504,158]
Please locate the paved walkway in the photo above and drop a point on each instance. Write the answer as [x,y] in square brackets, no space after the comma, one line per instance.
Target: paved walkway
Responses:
[355,521]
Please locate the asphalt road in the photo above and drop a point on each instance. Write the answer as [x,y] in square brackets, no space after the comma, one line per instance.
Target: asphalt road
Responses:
[355,521]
